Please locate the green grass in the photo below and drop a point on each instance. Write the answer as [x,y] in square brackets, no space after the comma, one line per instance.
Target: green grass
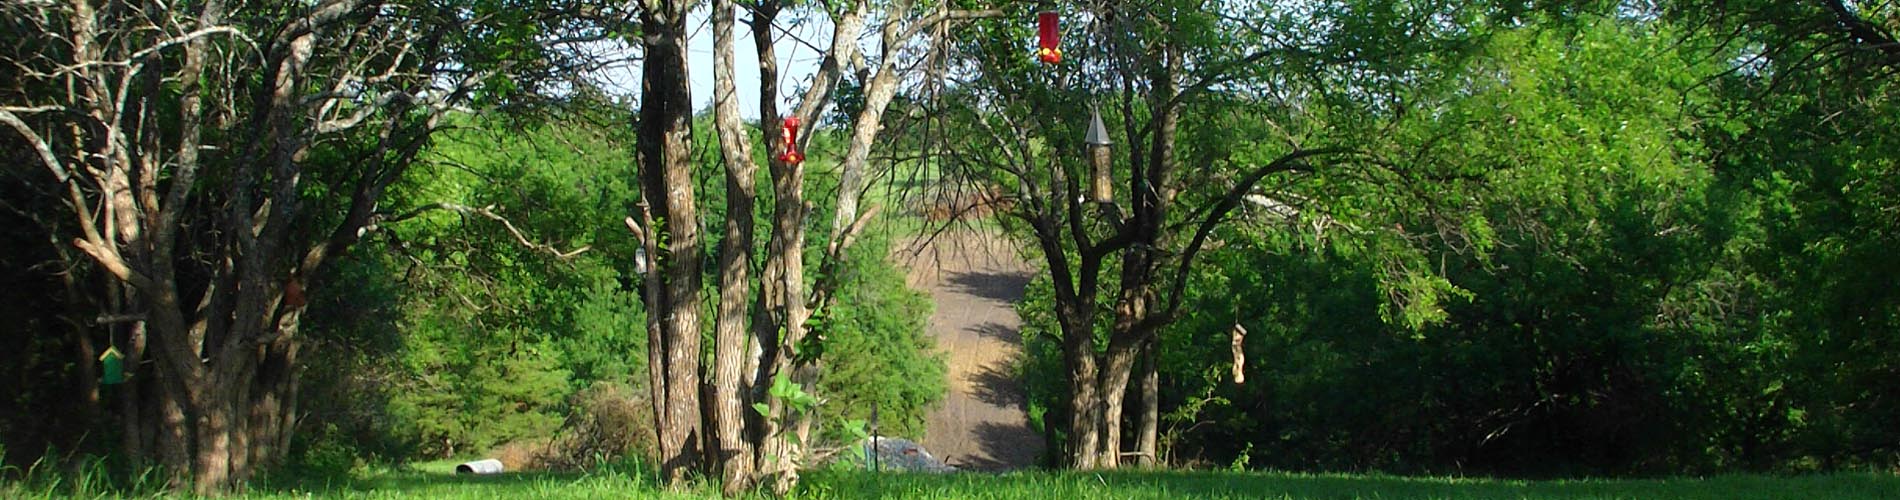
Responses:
[1234,485]
[436,480]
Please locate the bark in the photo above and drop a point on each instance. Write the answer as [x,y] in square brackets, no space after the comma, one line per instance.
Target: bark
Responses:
[878,94]
[1147,423]
[787,196]
[1117,365]
[784,290]
[272,412]
[1084,403]
[653,295]
[211,411]
[731,453]
[173,438]
[665,148]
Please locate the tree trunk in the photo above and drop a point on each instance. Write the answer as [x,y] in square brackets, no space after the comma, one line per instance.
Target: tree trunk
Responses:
[777,454]
[731,453]
[771,300]
[1078,339]
[172,440]
[272,412]
[665,146]
[1149,420]
[211,412]
[1117,365]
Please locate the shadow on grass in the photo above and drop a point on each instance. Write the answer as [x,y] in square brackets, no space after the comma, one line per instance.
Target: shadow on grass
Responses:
[1225,485]
[427,483]
[420,481]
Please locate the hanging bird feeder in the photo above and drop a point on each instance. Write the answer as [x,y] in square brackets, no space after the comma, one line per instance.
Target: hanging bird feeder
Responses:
[1239,334]
[1102,184]
[1047,38]
[113,369]
[788,142]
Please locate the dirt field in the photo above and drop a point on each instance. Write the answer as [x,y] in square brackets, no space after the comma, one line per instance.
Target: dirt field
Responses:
[975,278]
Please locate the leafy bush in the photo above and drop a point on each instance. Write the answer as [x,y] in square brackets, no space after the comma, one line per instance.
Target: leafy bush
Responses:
[607,422]
[442,335]
[876,348]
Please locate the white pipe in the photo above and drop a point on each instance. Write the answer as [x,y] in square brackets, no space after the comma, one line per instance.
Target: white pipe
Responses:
[480,467]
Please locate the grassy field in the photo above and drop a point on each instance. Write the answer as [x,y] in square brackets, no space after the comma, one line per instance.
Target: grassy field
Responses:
[435,481]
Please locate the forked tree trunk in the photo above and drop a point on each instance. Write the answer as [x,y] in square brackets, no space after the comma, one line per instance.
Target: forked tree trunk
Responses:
[732,453]
[666,173]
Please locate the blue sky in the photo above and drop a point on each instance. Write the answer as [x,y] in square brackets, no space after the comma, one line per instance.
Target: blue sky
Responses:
[796,61]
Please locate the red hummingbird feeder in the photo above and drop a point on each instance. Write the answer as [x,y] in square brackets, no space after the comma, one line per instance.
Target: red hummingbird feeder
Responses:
[788,142]
[1048,37]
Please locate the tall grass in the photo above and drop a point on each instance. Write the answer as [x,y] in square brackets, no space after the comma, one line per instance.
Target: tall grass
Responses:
[437,481]
[76,477]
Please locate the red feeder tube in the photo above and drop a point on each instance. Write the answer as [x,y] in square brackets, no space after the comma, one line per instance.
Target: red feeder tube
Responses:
[788,142]
[1048,36]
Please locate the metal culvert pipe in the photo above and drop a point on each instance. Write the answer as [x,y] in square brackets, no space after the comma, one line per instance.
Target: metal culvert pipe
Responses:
[480,467]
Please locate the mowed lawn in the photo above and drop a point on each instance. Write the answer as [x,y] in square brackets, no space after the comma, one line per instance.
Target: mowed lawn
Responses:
[433,481]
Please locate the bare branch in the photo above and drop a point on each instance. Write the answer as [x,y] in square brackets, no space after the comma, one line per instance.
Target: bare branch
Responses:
[138,58]
[39,145]
[487,212]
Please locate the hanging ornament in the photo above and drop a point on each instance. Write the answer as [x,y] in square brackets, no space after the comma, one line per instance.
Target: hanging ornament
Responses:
[1102,185]
[1239,334]
[1047,38]
[113,367]
[788,142]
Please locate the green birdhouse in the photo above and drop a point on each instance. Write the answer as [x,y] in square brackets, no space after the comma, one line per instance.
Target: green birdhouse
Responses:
[114,369]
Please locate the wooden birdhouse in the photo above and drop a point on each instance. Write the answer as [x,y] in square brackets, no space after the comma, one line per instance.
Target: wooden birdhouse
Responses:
[1102,182]
[112,369]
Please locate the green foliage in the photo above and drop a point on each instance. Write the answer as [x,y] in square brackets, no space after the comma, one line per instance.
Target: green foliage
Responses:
[1617,257]
[876,348]
[1552,360]
[466,337]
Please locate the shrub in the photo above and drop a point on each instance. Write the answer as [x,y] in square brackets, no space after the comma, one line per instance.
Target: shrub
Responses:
[606,422]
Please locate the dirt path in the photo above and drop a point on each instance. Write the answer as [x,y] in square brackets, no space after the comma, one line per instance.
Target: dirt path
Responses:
[974,279]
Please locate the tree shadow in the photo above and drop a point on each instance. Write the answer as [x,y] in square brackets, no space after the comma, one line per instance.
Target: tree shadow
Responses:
[1001,286]
[435,484]
[996,385]
[1005,447]
[998,331]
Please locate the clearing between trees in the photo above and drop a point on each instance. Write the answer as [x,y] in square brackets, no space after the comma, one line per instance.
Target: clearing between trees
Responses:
[974,278]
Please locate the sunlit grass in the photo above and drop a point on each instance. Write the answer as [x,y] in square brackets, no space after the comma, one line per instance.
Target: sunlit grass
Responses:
[437,480]
[1229,485]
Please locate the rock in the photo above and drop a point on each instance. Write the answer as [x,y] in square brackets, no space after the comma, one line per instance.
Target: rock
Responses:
[902,455]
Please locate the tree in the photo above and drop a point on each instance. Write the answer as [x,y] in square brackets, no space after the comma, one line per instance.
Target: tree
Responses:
[1311,86]
[1803,136]
[749,426]
[214,157]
